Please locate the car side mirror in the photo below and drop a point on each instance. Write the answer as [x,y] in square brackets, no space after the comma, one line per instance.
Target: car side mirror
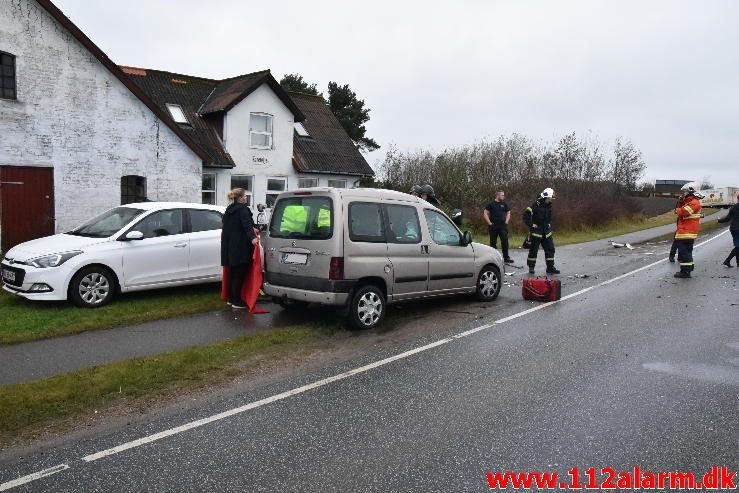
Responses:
[466,238]
[134,235]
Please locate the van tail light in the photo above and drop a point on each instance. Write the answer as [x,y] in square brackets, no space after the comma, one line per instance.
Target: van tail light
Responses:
[336,269]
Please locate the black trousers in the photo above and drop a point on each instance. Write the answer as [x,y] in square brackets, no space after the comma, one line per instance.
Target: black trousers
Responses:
[499,230]
[685,254]
[547,243]
[236,275]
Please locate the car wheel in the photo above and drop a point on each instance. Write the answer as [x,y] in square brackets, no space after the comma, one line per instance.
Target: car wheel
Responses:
[92,287]
[488,283]
[367,307]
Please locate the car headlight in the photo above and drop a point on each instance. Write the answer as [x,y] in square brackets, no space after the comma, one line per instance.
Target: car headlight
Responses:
[54,260]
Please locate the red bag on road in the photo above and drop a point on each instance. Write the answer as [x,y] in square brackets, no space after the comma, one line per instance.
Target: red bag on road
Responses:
[541,289]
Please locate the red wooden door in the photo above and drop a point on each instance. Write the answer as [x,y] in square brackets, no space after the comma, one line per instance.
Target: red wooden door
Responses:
[26,204]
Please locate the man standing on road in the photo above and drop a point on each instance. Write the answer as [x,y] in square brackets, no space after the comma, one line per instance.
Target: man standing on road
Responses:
[538,218]
[497,215]
[733,218]
[688,226]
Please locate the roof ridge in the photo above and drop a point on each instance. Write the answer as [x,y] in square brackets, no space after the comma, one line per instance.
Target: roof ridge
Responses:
[299,93]
[265,72]
[130,67]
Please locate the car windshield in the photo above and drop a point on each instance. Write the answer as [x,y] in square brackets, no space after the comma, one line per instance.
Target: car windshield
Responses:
[107,223]
[302,217]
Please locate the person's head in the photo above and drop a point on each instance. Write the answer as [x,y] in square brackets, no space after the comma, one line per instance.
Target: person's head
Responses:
[500,196]
[426,191]
[237,195]
[691,189]
[415,190]
[547,195]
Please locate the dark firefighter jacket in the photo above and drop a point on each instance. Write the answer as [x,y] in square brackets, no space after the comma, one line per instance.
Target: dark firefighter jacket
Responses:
[733,217]
[539,213]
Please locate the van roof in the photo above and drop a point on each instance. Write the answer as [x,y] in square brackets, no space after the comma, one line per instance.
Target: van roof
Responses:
[369,193]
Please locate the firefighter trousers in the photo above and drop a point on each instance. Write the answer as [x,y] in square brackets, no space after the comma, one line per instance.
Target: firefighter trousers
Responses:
[547,243]
[685,254]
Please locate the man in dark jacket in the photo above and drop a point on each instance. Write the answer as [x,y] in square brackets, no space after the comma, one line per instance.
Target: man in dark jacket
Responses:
[497,214]
[237,244]
[733,218]
[538,218]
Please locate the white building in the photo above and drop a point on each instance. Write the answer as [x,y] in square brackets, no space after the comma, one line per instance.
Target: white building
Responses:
[79,134]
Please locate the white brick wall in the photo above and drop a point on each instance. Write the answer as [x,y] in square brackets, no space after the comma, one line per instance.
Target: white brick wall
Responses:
[72,114]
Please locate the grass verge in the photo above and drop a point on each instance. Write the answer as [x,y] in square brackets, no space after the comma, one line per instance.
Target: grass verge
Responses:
[27,407]
[24,320]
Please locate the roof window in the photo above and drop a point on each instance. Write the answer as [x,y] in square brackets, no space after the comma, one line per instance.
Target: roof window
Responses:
[175,110]
[300,130]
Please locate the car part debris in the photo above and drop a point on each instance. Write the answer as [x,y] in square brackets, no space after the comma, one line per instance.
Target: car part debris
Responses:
[621,245]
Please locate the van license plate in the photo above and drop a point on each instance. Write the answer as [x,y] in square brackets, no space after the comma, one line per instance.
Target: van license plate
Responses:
[8,275]
[295,258]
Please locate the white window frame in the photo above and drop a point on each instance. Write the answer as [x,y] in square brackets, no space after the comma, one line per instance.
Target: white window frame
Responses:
[249,192]
[268,133]
[173,109]
[274,192]
[302,180]
[336,181]
[214,191]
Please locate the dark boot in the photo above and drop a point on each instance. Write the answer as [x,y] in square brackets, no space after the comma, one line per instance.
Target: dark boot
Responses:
[733,254]
[551,269]
[682,274]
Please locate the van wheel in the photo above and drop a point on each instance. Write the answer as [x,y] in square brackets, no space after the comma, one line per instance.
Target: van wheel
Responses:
[367,307]
[488,283]
[92,287]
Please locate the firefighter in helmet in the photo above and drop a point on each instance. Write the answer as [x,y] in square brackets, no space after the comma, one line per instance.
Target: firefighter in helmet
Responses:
[538,217]
[688,225]
[416,190]
[426,192]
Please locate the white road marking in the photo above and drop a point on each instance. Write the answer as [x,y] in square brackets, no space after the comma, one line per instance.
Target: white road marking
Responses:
[319,383]
[33,477]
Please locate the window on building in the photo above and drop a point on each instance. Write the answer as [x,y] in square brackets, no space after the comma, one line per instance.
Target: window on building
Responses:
[209,188]
[307,182]
[260,131]
[274,187]
[178,115]
[245,182]
[301,130]
[133,189]
[7,76]
[337,183]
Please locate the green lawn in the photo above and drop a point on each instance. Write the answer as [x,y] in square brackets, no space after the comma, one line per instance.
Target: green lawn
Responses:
[27,407]
[23,320]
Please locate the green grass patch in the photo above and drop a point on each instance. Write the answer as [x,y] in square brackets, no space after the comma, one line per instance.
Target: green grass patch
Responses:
[24,320]
[28,406]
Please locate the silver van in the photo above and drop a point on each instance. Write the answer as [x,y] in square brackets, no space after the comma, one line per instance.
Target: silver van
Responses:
[363,248]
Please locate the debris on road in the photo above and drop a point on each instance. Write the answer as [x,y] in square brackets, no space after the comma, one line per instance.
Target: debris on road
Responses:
[621,245]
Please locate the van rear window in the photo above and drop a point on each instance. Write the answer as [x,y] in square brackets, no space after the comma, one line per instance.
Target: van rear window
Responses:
[302,217]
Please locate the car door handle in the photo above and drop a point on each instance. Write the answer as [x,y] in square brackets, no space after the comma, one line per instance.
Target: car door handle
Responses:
[180,245]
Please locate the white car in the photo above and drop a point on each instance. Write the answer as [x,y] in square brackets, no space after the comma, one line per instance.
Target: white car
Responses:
[133,247]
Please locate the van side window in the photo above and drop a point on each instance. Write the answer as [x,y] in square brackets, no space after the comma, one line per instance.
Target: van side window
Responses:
[442,230]
[403,224]
[365,222]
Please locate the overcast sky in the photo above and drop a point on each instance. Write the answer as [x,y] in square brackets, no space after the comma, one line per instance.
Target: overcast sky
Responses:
[663,74]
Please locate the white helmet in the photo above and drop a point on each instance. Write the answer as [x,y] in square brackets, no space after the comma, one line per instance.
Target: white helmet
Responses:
[548,193]
[691,188]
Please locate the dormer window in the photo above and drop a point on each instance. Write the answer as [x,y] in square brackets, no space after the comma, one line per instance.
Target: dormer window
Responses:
[175,110]
[301,130]
[7,76]
[260,131]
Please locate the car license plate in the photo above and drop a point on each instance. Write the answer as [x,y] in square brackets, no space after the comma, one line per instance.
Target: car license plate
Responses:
[295,258]
[8,275]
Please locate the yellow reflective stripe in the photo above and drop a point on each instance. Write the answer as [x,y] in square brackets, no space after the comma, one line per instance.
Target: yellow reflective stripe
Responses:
[693,216]
[536,235]
[686,236]
[529,209]
[689,209]
[549,258]
[532,259]
[685,264]
[548,235]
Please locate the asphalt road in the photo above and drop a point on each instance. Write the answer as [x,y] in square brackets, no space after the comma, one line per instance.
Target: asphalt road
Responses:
[641,370]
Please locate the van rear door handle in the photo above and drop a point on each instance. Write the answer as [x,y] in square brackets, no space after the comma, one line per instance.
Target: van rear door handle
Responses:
[180,245]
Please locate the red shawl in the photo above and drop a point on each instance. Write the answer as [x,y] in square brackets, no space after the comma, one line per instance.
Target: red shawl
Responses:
[253,282]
